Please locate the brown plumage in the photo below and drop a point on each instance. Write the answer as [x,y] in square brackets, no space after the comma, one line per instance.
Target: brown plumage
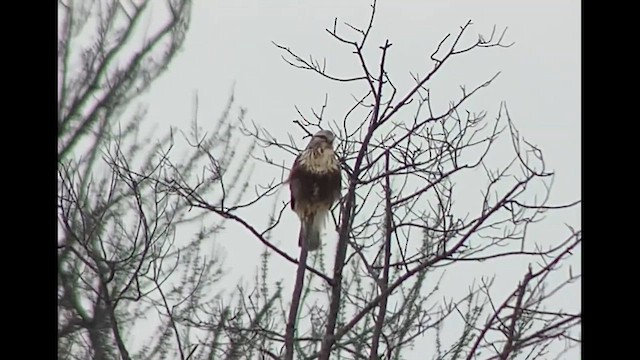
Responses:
[314,182]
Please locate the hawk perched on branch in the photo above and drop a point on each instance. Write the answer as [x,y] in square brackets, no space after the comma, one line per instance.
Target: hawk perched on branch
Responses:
[314,182]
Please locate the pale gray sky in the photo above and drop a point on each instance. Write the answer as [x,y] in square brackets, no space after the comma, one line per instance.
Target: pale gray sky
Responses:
[230,43]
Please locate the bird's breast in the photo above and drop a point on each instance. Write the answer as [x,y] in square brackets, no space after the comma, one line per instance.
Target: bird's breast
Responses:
[320,161]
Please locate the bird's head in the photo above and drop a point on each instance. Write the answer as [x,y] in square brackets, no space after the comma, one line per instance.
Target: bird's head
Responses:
[321,138]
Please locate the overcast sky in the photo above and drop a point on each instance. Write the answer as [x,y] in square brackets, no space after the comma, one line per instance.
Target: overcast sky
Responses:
[230,45]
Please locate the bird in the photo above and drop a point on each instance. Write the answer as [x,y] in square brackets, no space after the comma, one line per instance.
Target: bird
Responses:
[315,186]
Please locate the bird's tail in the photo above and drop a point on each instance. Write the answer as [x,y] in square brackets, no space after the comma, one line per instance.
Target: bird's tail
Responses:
[310,234]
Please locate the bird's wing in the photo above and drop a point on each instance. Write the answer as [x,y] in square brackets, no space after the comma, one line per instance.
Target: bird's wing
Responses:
[294,182]
[338,181]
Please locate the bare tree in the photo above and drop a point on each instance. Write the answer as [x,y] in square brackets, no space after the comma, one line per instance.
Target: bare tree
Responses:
[121,205]
[121,264]
[398,229]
